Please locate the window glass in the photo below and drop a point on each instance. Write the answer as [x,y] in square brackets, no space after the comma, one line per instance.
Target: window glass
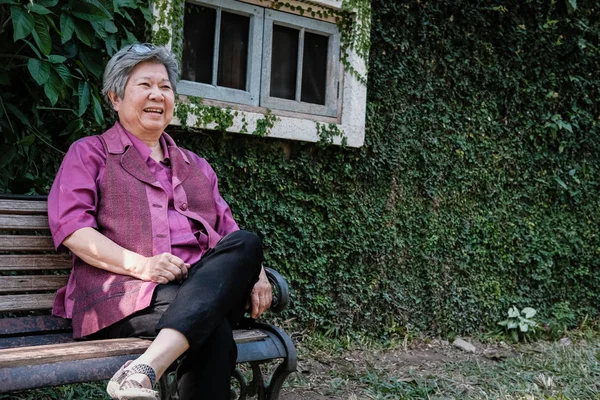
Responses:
[284,62]
[314,68]
[198,44]
[233,51]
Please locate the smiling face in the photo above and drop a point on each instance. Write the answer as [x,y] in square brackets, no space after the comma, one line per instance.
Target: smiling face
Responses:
[147,105]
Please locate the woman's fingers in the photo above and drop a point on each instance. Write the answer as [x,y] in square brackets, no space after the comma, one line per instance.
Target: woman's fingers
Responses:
[261,296]
[166,268]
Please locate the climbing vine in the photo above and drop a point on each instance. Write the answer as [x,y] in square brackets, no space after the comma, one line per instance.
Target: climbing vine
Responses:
[476,189]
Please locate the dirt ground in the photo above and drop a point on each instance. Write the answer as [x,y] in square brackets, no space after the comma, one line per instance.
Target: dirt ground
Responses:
[342,376]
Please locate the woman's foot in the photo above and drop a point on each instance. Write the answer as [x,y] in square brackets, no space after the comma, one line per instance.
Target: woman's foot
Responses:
[133,381]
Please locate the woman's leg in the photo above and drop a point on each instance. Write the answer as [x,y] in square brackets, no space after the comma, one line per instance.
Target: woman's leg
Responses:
[216,290]
[217,287]
[206,374]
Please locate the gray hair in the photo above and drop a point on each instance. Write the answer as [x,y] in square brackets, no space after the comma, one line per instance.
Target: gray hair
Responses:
[116,73]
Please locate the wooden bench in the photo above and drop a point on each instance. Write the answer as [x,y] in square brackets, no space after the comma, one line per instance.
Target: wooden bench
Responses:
[36,348]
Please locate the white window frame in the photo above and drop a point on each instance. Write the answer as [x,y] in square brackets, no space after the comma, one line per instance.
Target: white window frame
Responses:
[213,91]
[352,100]
[302,24]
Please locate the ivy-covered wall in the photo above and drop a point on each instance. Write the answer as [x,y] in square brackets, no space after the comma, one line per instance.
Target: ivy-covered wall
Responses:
[478,187]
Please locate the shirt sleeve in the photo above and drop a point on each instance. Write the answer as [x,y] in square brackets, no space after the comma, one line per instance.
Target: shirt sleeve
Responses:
[225,222]
[73,198]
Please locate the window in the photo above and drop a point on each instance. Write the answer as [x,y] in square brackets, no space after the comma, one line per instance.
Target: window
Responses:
[225,50]
[222,43]
[300,64]
[245,56]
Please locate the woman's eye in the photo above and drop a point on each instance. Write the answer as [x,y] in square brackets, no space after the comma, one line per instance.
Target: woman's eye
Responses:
[146,84]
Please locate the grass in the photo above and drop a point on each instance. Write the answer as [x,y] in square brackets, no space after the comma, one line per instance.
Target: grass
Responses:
[425,369]
[541,370]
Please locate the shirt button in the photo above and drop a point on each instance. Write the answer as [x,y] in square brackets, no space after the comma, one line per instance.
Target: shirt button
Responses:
[184,206]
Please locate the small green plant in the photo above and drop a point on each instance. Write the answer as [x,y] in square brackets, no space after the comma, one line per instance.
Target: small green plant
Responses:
[563,318]
[519,324]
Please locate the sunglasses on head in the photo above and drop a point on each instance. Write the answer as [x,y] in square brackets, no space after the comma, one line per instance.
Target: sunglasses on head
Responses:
[142,48]
[139,49]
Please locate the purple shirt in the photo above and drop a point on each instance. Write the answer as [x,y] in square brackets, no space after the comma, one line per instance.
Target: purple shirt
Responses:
[73,200]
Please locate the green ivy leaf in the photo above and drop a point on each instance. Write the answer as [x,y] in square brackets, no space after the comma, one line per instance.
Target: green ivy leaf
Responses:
[10,2]
[91,10]
[34,49]
[17,113]
[23,23]
[98,114]
[84,97]
[72,127]
[572,5]
[56,59]
[84,32]
[39,70]
[98,27]
[67,27]
[125,3]
[41,35]
[27,140]
[53,87]
[47,3]
[110,27]
[93,62]
[111,45]
[64,74]
[130,37]
[38,9]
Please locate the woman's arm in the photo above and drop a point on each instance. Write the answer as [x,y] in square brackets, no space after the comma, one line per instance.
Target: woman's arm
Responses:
[99,251]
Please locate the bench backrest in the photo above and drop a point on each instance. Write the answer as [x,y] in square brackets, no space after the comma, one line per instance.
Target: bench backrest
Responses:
[30,270]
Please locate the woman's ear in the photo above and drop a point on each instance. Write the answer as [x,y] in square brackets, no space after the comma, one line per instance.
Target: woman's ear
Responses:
[114,99]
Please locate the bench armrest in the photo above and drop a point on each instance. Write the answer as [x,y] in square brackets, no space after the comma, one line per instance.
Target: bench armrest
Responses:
[281,290]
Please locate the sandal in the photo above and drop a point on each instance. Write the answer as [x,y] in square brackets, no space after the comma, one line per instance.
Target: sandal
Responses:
[120,387]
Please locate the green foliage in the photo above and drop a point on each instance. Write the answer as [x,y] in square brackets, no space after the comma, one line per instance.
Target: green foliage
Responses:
[520,324]
[477,187]
[54,54]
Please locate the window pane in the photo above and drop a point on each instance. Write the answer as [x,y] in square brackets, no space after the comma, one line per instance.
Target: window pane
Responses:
[314,68]
[284,62]
[198,43]
[233,51]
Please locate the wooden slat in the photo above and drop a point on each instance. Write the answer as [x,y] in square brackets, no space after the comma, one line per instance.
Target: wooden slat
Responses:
[25,243]
[26,207]
[11,262]
[26,302]
[12,342]
[33,324]
[30,283]
[36,355]
[23,222]
[248,335]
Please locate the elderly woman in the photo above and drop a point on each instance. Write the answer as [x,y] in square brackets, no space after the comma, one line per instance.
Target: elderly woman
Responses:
[156,251]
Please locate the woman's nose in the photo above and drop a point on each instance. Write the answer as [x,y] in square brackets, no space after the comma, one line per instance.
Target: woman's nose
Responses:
[155,94]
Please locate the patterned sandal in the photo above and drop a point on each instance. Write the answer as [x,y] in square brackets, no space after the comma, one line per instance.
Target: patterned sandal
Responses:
[120,387]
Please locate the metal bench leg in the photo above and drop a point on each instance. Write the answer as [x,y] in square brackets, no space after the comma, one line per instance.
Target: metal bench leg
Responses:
[287,366]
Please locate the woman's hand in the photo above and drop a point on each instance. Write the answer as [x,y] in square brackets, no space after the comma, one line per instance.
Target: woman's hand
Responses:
[261,295]
[163,268]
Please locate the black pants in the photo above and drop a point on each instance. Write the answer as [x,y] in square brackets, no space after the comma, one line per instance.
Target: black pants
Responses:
[205,308]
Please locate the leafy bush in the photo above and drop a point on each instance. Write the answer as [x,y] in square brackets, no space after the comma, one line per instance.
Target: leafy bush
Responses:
[54,55]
